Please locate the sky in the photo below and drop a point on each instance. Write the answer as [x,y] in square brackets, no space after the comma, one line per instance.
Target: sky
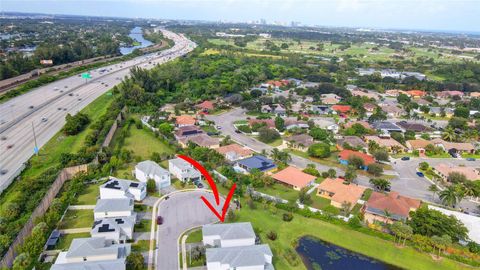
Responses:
[447,15]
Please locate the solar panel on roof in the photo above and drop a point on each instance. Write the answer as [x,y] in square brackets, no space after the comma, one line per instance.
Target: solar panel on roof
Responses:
[106,228]
[112,184]
[134,184]
[119,221]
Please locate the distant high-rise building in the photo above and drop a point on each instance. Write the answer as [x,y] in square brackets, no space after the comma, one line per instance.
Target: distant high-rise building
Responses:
[263,21]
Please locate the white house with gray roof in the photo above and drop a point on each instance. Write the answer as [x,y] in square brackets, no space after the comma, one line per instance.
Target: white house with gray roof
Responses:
[183,170]
[123,189]
[111,208]
[93,253]
[228,234]
[256,257]
[117,230]
[150,170]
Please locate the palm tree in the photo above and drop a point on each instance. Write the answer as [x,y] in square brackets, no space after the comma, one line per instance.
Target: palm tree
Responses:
[434,189]
[449,134]
[387,215]
[380,184]
[449,196]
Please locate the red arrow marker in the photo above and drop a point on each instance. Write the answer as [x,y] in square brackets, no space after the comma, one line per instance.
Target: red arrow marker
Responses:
[213,186]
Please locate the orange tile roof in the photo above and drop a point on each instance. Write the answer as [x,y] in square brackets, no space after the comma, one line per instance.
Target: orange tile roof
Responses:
[393,203]
[294,177]
[416,93]
[342,192]
[239,150]
[207,105]
[346,154]
[185,120]
[418,143]
[475,94]
[341,108]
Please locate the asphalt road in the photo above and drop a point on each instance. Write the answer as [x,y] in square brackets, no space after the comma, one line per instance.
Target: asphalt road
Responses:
[182,211]
[54,101]
[405,182]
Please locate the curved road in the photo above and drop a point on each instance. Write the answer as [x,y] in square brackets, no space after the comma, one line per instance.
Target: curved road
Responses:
[182,211]
[54,101]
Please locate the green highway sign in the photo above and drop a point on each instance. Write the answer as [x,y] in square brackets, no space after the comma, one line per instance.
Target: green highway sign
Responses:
[86,76]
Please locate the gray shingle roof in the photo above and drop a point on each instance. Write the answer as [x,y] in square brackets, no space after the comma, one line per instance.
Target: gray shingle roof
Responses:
[239,256]
[151,168]
[95,246]
[229,230]
[106,205]
[99,265]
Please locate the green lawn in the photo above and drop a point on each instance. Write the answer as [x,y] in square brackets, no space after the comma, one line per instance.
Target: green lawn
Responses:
[143,143]
[276,143]
[195,236]
[89,195]
[279,190]
[77,219]
[143,226]
[263,221]
[66,239]
[141,246]
[318,202]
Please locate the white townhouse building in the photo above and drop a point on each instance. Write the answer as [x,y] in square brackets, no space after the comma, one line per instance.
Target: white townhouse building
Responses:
[116,230]
[228,234]
[111,208]
[150,170]
[123,189]
[93,253]
[183,170]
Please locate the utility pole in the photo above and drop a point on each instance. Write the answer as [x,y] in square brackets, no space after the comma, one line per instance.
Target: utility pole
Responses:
[35,149]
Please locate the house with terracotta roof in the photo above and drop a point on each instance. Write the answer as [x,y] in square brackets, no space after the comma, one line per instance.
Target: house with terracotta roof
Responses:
[345,155]
[416,93]
[443,170]
[341,109]
[417,145]
[294,178]
[340,193]
[388,143]
[388,208]
[454,147]
[206,106]
[233,152]
[185,120]
[300,142]
[475,94]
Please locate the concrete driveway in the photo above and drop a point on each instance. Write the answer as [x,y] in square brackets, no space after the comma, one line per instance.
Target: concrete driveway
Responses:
[182,211]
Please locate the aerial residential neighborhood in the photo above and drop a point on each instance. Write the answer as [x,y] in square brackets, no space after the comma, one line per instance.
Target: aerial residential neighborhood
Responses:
[213,135]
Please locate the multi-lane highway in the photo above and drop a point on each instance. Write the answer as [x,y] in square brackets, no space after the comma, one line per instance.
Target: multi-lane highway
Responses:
[45,108]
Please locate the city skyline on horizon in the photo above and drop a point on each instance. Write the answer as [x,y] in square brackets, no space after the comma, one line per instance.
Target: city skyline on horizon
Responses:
[337,13]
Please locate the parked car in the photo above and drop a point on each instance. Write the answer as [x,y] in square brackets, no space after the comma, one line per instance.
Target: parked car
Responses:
[159,220]
[237,131]
[420,174]
[405,158]
[3,171]
[44,119]
[200,185]
[471,159]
